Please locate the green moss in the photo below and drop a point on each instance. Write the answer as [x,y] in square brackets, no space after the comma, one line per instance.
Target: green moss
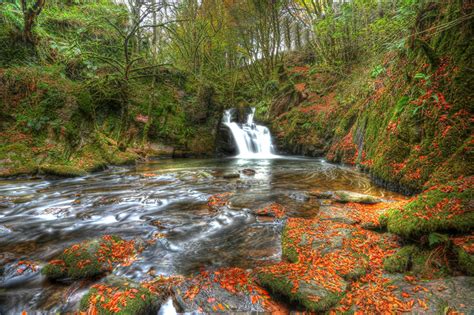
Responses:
[401,260]
[288,247]
[133,299]
[465,261]
[84,260]
[282,286]
[61,170]
[440,209]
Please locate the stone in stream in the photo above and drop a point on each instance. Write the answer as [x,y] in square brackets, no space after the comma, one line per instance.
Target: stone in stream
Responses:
[91,258]
[120,296]
[299,196]
[211,293]
[231,175]
[248,172]
[344,196]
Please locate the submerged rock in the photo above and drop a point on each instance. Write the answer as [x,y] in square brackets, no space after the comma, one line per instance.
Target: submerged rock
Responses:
[231,175]
[248,172]
[299,196]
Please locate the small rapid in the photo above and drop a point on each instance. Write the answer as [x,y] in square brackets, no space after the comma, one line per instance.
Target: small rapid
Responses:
[253,141]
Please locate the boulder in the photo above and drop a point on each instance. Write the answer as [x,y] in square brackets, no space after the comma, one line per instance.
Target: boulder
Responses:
[344,196]
[90,258]
[119,296]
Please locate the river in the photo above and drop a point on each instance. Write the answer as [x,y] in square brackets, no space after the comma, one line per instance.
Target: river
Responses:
[40,217]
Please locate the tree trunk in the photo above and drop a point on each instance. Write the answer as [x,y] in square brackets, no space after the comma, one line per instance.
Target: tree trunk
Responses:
[29,18]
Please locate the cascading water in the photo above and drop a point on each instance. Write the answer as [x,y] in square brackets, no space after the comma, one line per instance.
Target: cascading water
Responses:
[253,141]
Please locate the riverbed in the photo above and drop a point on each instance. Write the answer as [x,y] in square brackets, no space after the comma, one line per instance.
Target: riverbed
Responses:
[40,217]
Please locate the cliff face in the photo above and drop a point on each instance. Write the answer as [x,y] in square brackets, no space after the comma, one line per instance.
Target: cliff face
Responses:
[404,116]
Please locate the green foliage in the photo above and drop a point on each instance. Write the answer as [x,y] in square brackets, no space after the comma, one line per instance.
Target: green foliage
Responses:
[379,69]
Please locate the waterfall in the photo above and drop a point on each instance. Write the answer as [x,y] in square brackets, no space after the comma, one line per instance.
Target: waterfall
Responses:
[253,141]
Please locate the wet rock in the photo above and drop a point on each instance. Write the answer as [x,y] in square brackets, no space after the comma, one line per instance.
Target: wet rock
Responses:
[344,196]
[437,296]
[120,296]
[58,212]
[299,196]
[225,143]
[91,258]
[16,272]
[231,175]
[321,194]
[248,172]
[273,210]
[105,201]
[23,199]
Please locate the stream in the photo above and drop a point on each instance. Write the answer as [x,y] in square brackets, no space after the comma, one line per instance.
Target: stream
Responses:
[40,217]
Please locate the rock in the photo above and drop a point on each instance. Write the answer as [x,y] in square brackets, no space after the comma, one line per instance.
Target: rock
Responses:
[299,196]
[311,295]
[371,226]
[208,296]
[336,214]
[129,297]
[57,211]
[231,175]
[90,258]
[105,201]
[225,143]
[321,194]
[348,196]
[439,295]
[248,172]
[273,210]
[15,272]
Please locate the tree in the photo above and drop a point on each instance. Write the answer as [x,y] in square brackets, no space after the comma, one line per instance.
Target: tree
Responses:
[30,14]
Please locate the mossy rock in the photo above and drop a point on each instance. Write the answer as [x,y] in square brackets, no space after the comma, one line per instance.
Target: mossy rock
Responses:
[89,259]
[311,296]
[400,261]
[419,261]
[61,170]
[465,260]
[444,208]
[119,297]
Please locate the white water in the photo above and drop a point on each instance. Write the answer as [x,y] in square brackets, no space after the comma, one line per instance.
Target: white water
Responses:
[253,141]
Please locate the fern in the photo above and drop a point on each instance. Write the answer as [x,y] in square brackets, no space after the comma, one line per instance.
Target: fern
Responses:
[11,15]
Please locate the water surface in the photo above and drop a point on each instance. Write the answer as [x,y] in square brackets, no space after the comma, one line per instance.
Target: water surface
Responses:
[39,218]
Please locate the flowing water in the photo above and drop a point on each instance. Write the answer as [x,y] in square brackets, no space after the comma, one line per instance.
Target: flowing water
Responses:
[39,218]
[253,141]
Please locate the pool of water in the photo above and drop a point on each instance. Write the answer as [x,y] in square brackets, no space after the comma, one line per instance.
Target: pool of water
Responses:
[40,217]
